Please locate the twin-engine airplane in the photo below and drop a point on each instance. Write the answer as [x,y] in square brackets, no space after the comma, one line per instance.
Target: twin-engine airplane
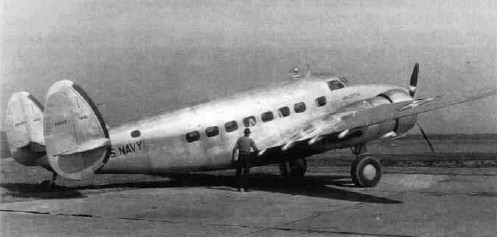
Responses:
[290,122]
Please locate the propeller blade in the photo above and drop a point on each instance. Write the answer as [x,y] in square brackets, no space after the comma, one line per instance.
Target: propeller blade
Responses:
[414,80]
[426,137]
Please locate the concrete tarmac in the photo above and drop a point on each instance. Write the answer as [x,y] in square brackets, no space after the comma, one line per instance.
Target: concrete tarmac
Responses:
[324,203]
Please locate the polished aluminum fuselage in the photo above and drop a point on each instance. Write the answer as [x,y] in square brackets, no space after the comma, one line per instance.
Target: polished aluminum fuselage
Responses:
[157,143]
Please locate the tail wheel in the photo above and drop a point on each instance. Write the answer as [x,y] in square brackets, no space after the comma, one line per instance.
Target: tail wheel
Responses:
[47,185]
[366,171]
[293,169]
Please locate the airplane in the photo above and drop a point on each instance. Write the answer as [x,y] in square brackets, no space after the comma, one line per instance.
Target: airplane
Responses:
[298,118]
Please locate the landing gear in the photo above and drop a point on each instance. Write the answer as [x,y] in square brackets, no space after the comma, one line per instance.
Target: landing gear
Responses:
[365,169]
[293,169]
[49,184]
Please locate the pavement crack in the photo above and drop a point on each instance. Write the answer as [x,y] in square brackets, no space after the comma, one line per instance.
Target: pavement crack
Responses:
[49,213]
[342,232]
[27,212]
[124,218]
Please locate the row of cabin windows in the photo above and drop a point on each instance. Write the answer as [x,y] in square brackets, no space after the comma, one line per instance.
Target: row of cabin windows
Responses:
[250,121]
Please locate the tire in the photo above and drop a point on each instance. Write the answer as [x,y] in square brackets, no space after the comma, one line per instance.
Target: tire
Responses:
[366,171]
[293,170]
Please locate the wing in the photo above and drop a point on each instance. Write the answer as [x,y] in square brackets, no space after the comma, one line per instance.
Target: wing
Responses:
[346,119]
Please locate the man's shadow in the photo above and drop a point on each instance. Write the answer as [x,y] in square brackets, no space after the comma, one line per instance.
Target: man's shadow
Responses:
[335,187]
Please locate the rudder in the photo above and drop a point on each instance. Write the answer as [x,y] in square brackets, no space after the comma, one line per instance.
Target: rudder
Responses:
[77,140]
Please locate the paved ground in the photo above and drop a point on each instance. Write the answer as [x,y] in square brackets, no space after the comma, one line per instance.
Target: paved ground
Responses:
[461,202]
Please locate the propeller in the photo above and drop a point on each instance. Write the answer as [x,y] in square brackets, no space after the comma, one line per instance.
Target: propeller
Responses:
[414,80]
[413,84]
[425,137]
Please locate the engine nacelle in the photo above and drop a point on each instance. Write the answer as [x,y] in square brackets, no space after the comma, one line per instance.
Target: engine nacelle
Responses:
[385,129]
[404,124]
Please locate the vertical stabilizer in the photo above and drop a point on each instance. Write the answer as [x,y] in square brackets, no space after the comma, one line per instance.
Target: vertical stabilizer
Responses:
[24,128]
[76,137]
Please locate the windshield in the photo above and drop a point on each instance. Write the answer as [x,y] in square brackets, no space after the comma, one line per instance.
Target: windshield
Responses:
[344,80]
[335,85]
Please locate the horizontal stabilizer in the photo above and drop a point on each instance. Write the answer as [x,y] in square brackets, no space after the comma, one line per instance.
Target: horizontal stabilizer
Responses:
[89,145]
[76,137]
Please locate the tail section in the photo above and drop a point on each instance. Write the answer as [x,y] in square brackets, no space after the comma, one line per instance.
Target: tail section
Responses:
[77,140]
[24,128]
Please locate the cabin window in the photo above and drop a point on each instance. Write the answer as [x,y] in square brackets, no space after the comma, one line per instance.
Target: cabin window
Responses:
[267,116]
[321,101]
[283,111]
[192,136]
[231,126]
[299,107]
[212,131]
[335,85]
[249,121]
[135,133]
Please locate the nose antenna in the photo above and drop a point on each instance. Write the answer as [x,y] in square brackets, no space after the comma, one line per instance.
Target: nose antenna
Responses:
[308,67]
[295,72]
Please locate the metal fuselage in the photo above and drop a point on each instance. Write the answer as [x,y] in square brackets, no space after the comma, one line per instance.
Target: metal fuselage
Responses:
[158,144]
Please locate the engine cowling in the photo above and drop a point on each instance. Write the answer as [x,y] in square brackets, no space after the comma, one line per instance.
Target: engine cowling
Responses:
[404,124]
[385,129]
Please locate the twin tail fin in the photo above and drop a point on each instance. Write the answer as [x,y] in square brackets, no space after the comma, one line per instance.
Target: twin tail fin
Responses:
[76,137]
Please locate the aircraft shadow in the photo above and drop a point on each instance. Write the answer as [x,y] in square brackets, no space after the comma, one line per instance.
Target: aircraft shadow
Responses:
[313,186]
[30,190]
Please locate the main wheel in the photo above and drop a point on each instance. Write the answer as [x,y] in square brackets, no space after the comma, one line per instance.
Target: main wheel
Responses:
[365,171]
[293,169]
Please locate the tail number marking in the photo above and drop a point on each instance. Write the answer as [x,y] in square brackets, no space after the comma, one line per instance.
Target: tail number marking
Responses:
[125,149]
[62,122]
[20,123]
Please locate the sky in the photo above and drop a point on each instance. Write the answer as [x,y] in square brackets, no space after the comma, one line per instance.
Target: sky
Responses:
[140,57]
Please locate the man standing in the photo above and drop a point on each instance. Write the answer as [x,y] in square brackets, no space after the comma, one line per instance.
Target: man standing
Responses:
[243,146]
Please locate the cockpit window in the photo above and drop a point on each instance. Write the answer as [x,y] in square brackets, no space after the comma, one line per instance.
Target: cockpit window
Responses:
[335,85]
[344,80]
